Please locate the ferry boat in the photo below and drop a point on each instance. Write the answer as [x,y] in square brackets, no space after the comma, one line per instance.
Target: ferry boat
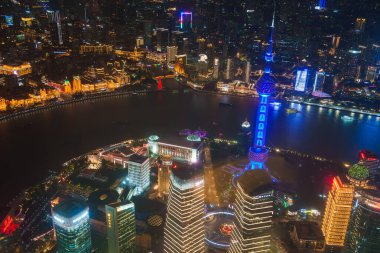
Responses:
[347,118]
[291,110]
[225,104]
[275,103]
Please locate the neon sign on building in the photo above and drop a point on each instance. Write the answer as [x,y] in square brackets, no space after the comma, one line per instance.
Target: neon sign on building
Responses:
[183,15]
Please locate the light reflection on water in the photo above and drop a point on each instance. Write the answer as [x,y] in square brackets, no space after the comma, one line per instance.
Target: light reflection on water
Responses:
[31,146]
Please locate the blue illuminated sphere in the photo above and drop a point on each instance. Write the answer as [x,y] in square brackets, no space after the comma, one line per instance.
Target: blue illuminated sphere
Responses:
[266,85]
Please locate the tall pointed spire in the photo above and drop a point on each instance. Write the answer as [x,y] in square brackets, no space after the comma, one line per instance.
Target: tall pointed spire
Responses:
[269,53]
[265,86]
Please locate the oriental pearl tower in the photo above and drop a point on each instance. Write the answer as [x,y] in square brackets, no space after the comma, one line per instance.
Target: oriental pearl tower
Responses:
[265,86]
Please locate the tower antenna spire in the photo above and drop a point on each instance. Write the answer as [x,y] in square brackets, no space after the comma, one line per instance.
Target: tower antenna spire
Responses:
[265,86]
[269,53]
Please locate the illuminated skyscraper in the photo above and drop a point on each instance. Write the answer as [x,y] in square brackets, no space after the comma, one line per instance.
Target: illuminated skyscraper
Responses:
[55,21]
[363,231]
[372,74]
[121,227]
[139,172]
[335,41]
[164,175]
[148,30]
[72,227]
[162,39]
[337,212]
[302,76]
[216,68]
[265,86]
[253,213]
[247,77]
[139,42]
[171,53]
[229,69]
[360,25]
[371,161]
[318,81]
[321,5]
[358,176]
[185,226]
[186,21]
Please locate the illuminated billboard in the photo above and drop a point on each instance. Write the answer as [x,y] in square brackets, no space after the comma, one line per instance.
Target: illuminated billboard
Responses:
[301,80]
[8,20]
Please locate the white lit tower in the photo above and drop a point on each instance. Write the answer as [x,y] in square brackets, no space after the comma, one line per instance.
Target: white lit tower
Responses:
[253,210]
[185,225]
[265,86]
[253,205]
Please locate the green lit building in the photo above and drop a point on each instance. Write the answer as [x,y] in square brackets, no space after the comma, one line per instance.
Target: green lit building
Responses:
[121,227]
[72,227]
[364,228]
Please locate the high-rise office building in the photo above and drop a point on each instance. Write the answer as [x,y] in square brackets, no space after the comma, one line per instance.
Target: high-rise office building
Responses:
[247,77]
[372,74]
[360,24]
[321,5]
[72,227]
[216,68]
[201,45]
[253,213]
[301,79]
[162,36]
[229,69]
[55,27]
[139,172]
[177,38]
[185,45]
[164,175]
[148,31]
[186,21]
[363,231]
[171,52]
[335,41]
[371,161]
[185,226]
[202,64]
[121,227]
[337,212]
[319,80]
[358,176]
[139,42]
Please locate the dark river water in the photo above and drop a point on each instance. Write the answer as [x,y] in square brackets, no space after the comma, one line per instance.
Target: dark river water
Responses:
[32,145]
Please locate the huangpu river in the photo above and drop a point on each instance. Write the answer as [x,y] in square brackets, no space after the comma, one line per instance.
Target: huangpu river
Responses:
[32,145]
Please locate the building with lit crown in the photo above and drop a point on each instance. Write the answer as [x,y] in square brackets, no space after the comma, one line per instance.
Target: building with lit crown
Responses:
[139,173]
[253,210]
[337,212]
[371,161]
[184,230]
[358,176]
[121,227]
[363,231]
[188,149]
[72,227]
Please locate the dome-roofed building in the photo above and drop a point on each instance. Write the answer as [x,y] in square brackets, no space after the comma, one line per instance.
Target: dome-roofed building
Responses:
[358,175]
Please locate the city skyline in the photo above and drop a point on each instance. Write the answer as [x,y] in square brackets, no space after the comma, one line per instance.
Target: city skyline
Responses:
[216,126]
